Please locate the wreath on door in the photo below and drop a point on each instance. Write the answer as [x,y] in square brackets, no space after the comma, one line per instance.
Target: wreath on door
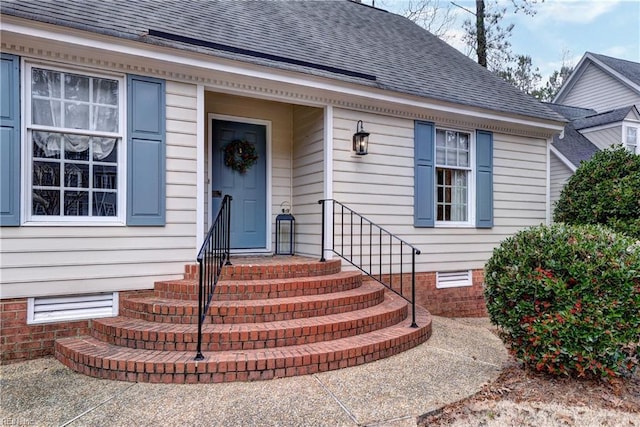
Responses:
[240,155]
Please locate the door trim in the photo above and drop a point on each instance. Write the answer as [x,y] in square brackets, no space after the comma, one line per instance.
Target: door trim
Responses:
[251,121]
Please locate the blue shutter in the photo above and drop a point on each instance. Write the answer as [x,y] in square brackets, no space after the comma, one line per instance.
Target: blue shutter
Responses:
[146,151]
[484,179]
[10,140]
[424,173]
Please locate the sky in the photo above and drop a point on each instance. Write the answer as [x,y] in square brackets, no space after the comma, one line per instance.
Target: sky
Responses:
[560,28]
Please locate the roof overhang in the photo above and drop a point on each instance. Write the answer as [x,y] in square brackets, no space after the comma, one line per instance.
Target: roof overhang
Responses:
[580,69]
[46,41]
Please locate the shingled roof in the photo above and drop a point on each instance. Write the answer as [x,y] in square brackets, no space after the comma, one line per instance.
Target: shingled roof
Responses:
[339,39]
[569,112]
[628,69]
[613,116]
[574,146]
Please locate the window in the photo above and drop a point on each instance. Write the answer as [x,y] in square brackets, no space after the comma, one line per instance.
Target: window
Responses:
[74,140]
[453,176]
[631,141]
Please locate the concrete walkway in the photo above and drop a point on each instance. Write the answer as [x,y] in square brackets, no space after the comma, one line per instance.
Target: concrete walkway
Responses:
[458,359]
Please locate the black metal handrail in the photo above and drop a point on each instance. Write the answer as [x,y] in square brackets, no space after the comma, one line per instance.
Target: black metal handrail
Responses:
[370,242]
[213,255]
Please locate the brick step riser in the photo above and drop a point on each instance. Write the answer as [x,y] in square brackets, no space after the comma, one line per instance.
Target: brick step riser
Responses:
[244,340]
[235,291]
[187,314]
[274,271]
[210,371]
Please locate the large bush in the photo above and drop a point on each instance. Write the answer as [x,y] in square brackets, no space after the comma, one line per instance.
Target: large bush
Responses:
[567,299]
[604,190]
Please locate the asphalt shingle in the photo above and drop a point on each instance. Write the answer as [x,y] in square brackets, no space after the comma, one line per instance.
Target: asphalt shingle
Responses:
[338,34]
[629,69]
[574,146]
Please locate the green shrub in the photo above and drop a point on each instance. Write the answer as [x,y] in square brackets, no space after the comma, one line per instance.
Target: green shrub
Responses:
[566,299]
[604,190]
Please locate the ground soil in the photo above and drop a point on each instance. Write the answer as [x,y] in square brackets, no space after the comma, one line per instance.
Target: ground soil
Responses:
[522,398]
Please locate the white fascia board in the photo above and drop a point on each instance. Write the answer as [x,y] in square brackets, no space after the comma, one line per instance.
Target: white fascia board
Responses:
[573,77]
[128,47]
[614,73]
[600,127]
[563,159]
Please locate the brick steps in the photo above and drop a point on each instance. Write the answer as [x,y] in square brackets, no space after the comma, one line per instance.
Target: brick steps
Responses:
[163,310]
[103,360]
[230,290]
[270,317]
[134,333]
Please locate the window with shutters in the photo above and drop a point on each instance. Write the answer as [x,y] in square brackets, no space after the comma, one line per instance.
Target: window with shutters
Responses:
[74,139]
[454,177]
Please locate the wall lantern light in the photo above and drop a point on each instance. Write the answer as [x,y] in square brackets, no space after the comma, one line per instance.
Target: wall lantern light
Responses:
[360,140]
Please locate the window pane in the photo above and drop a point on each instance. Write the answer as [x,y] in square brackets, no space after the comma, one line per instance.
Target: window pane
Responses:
[451,139]
[452,194]
[105,119]
[105,149]
[463,159]
[440,138]
[104,204]
[46,145]
[76,203]
[105,91]
[46,174]
[76,87]
[46,202]
[76,116]
[76,175]
[45,83]
[76,147]
[45,112]
[105,177]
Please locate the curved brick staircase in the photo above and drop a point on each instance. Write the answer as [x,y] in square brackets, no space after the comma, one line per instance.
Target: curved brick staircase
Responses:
[270,317]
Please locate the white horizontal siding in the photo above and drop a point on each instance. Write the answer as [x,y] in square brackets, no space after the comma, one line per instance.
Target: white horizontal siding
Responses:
[42,260]
[560,174]
[604,138]
[308,177]
[380,186]
[599,90]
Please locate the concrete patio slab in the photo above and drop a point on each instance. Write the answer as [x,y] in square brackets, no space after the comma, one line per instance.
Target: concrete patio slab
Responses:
[460,357]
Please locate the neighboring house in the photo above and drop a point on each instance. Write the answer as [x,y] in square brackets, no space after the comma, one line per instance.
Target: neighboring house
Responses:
[114,115]
[601,100]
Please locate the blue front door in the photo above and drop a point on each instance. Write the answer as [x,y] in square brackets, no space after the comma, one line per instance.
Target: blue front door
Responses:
[249,189]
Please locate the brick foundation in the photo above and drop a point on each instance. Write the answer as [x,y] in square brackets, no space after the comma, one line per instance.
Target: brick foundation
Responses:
[19,341]
[465,301]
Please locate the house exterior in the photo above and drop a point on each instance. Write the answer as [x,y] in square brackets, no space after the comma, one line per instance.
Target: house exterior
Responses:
[601,100]
[115,116]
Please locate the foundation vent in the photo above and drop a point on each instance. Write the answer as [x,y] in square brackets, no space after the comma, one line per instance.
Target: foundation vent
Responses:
[71,307]
[453,279]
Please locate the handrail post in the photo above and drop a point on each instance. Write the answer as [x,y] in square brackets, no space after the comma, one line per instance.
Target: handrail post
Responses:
[322,259]
[228,233]
[199,355]
[413,289]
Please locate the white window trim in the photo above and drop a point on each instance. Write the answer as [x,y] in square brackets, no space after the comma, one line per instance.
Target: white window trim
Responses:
[471,184]
[465,279]
[625,127]
[27,218]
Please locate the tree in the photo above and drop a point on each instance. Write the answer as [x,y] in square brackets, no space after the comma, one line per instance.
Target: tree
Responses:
[433,15]
[555,81]
[487,36]
[604,190]
[522,76]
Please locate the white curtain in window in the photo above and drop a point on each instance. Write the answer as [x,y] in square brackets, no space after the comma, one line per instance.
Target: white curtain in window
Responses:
[459,196]
[51,142]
